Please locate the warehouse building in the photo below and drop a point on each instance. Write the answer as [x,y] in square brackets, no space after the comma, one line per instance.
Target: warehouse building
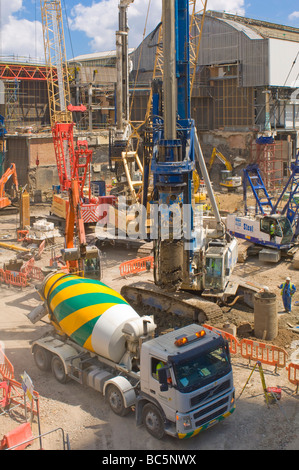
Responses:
[246,89]
[245,97]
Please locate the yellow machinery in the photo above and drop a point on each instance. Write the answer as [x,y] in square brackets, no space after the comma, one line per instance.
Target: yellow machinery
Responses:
[227,179]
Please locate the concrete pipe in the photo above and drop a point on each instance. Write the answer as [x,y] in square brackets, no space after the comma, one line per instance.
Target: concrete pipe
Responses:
[265,316]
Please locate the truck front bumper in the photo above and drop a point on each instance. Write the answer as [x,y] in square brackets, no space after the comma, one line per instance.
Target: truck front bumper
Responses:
[191,424]
[205,426]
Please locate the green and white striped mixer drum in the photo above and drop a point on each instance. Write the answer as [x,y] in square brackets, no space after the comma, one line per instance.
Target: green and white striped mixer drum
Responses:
[89,312]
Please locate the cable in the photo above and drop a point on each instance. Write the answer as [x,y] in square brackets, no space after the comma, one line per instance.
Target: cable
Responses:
[35,41]
[140,54]
[68,28]
[291,69]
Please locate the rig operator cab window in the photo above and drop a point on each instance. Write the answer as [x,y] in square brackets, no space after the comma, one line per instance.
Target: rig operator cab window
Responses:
[214,273]
[279,229]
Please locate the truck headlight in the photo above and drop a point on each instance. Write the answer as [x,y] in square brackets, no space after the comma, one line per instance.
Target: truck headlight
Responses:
[184,421]
[187,423]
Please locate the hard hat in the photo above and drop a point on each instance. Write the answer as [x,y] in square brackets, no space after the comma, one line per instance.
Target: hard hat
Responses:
[288,279]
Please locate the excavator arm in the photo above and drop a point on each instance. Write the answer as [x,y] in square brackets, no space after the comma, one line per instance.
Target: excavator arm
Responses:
[221,157]
[10,172]
[73,255]
[74,221]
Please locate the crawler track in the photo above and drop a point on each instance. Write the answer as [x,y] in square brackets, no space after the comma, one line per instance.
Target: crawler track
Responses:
[146,297]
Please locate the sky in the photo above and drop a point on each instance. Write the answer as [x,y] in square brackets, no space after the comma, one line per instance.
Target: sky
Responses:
[90,25]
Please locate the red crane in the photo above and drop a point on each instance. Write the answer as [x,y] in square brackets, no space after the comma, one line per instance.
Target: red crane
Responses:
[73,162]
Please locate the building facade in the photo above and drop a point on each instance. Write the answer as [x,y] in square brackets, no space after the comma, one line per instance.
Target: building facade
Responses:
[246,87]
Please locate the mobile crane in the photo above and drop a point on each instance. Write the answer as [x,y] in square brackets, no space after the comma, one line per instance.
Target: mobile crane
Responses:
[273,228]
[227,179]
[186,258]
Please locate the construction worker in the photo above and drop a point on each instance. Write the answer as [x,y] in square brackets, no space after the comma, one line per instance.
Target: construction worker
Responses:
[272,230]
[159,366]
[287,291]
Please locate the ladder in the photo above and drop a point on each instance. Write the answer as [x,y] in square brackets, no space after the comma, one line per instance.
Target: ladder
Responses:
[291,208]
[253,176]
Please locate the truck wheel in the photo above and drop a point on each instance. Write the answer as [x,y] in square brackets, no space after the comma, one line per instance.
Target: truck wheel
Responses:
[58,371]
[116,401]
[42,358]
[153,421]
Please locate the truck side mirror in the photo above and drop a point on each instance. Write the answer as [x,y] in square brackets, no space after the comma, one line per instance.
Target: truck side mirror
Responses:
[162,375]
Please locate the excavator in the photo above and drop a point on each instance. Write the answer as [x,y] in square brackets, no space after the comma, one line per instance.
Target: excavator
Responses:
[192,266]
[79,258]
[227,179]
[10,172]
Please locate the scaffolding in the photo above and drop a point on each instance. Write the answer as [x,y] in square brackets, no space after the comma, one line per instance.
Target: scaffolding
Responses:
[25,94]
[272,162]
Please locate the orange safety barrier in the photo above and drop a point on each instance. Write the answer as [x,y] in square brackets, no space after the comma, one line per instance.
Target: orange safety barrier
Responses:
[21,435]
[12,390]
[22,235]
[36,273]
[265,353]
[254,350]
[6,368]
[15,395]
[32,272]
[4,401]
[136,265]
[293,374]
[13,278]
[26,266]
[232,340]
[41,248]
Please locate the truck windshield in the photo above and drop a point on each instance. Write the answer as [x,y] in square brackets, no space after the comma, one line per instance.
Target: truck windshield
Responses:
[202,369]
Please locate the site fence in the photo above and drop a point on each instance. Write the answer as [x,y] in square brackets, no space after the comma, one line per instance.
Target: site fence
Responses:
[32,271]
[13,278]
[11,391]
[269,354]
[136,266]
[293,374]
[6,367]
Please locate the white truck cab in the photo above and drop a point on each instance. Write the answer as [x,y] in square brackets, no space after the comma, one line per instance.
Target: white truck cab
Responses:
[194,387]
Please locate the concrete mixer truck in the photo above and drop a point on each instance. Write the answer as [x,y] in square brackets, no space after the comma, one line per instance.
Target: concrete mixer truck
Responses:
[178,383]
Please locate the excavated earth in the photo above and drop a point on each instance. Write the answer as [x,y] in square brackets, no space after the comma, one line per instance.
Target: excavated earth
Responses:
[82,413]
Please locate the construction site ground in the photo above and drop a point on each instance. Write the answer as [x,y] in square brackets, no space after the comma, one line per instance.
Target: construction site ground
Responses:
[83,413]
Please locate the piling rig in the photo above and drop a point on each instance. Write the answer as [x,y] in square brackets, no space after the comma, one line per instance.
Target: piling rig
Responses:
[192,266]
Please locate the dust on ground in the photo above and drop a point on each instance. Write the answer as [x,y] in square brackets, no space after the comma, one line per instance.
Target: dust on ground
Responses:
[82,413]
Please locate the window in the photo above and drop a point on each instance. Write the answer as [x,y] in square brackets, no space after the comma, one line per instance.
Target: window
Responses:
[155,365]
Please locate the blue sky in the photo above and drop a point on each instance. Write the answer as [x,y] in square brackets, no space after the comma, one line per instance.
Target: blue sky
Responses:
[90,25]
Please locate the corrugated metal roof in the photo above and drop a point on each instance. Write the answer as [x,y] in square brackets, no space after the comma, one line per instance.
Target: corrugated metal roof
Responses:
[243,28]
[96,55]
[263,28]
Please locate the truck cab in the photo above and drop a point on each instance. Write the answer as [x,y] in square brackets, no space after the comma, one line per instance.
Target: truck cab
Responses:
[192,388]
